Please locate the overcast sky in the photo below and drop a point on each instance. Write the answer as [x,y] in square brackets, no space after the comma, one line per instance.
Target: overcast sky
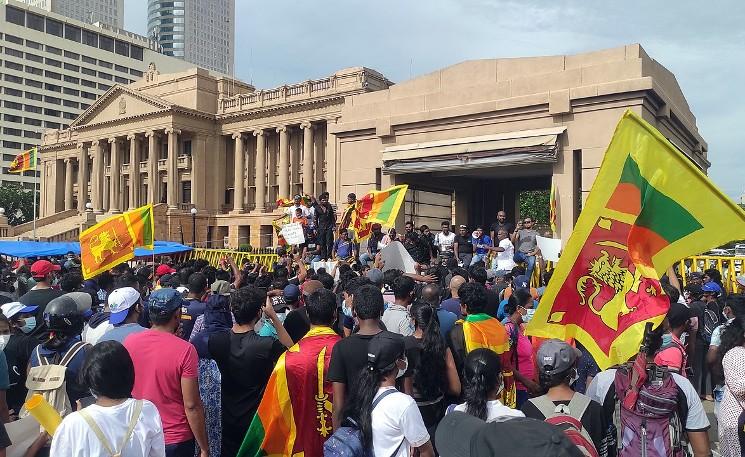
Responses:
[703,44]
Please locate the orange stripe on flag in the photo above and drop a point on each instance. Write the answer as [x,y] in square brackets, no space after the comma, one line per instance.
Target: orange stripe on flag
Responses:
[626,199]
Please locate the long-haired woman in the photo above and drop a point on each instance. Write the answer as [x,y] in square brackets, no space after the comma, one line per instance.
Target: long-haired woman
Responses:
[431,374]
[732,411]
[389,420]
[483,386]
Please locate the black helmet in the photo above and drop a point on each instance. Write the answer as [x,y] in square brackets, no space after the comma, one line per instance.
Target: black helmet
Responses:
[63,315]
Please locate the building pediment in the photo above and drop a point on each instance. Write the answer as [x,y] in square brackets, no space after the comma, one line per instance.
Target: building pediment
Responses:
[119,103]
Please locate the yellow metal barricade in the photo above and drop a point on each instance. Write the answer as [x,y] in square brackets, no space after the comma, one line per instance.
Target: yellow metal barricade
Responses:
[213,256]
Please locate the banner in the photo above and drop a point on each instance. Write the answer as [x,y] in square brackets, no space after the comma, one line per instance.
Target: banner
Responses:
[648,208]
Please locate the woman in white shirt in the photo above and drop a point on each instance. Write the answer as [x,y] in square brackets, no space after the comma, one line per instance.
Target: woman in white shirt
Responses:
[483,387]
[115,424]
[389,420]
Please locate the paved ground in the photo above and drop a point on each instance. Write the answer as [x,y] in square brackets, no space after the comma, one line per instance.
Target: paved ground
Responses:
[713,437]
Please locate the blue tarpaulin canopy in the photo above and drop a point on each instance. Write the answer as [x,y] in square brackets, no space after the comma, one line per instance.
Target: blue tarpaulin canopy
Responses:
[44,248]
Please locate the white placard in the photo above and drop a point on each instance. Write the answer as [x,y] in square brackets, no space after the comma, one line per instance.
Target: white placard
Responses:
[396,257]
[329,266]
[22,434]
[550,248]
[293,233]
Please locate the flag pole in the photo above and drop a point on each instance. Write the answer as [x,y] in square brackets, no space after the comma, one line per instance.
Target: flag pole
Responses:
[36,183]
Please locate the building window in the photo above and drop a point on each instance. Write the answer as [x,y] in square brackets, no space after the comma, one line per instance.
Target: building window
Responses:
[33,96]
[103,75]
[14,52]
[33,70]
[90,38]
[32,121]
[10,131]
[51,125]
[72,33]
[71,67]
[13,66]
[13,92]
[71,104]
[84,106]
[136,53]
[52,100]
[13,39]
[87,83]
[52,112]
[12,105]
[72,79]
[134,72]
[87,95]
[89,60]
[33,83]
[53,50]
[69,91]
[53,87]
[104,86]
[8,158]
[72,55]
[53,62]
[34,21]
[34,57]
[121,68]
[33,45]
[106,43]
[54,27]
[52,74]
[122,48]
[13,79]
[32,109]
[70,116]
[30,134]
[105,64]
[15,15]
[121,80]
[88,71]
[186,192]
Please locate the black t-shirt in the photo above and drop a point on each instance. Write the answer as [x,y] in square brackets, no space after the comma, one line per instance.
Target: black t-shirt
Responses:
[40,298]
[18,353]
[465,244]
[492,303]
[297,323]
[348,358]
[325,215]
[508,227]
[593,420]
[192,309]
[246,361]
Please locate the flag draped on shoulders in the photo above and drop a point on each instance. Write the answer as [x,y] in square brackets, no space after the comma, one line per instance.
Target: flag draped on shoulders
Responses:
[24,161]
[114,240]
[649,207]
[294,416]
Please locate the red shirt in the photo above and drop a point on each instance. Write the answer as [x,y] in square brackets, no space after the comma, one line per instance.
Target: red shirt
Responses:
[674,357]
[161,360]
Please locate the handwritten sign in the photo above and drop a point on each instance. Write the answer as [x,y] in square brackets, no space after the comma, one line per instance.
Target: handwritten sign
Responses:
[293,233]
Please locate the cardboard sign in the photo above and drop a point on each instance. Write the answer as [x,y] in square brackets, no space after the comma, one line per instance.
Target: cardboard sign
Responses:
[329,266]
[397,257]
[293,233]
[550,248]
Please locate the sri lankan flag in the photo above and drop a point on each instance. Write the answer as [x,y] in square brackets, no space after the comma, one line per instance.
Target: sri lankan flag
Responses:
[287,202]
[649,207]
[552,208]
[484,331]
[114,240]
[24,161]
[294,416]
[278,223]
[374,207]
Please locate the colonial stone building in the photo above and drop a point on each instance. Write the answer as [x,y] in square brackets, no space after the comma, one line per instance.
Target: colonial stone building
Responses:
[467,139]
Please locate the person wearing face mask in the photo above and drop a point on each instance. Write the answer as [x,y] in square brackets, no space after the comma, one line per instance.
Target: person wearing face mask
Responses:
[519,309]
[557,369]
[18,346]
[44,273]
[389,420]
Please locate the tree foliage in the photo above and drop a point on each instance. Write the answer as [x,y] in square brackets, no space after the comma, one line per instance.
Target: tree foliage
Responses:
[535,204]
[18,203]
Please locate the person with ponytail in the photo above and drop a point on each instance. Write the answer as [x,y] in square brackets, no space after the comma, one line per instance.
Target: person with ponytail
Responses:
[732,412]
[432,373]
[483,388]
[389,420]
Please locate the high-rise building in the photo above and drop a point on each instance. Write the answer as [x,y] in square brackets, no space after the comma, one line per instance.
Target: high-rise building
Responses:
[52,68]
[199,31]
[91,11]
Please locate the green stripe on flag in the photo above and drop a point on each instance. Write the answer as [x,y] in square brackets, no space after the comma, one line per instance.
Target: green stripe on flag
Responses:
[147,217]
[386,206]
[477,317]
[251,445]
[659,213]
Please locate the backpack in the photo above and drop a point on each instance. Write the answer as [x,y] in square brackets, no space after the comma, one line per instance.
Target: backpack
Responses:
[711,321]
[653,427]
[568,418]
[48,380]
[347,440]
[102,438]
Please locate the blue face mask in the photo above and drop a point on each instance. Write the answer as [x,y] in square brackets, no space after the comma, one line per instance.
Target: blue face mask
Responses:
[29,324]
[346,309]
[528,315]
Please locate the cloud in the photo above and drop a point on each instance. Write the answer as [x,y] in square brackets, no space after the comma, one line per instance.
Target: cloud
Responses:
[283,41]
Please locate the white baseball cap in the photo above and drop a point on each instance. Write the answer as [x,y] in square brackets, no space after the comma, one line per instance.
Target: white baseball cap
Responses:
[13,308]
[120,300]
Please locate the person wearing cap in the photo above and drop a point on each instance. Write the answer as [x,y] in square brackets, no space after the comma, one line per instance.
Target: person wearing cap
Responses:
[296,321]
[463,246]
[166,373]
[245,360]
[394,425]
[194,304]
[696,278]
[557,368]
[164,269]
[18,350]
[312,395]
[43,272]
[125,307]
[693,294]
[673,353]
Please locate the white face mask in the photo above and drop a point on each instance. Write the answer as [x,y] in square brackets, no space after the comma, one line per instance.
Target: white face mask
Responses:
[4,341]
[528,315]
[402,371]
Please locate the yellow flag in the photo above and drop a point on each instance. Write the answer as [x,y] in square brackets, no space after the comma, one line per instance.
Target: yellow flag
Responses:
[648,208]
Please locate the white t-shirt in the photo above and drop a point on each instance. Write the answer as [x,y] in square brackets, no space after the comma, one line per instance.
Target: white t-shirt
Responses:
[445,242]
[397,424]
[75,438]
[716,334]
[505,260]
[495,411]
[696,419]
[307,212]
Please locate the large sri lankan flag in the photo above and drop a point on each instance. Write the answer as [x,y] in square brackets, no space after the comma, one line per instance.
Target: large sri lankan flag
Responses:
[648,208]
[374,207]
[294,416]
[114,240]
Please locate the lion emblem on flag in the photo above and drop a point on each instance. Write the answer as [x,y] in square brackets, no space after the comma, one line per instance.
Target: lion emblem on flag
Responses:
[103,242]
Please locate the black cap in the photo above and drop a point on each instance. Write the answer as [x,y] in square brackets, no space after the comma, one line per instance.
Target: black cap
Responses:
[384,349]
[515,436]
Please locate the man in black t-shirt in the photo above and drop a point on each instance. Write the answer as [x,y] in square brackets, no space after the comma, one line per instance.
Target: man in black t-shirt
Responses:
[500,224]
[350,354]
[325,223]
[43,272]
[463,246]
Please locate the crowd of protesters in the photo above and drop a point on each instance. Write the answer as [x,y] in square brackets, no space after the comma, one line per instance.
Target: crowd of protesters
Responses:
[173,359]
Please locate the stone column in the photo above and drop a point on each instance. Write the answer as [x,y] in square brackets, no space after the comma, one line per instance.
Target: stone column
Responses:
[82,176]
[284,163]
[114,177]
[134,171]
[260,170]
[68,184]
[172,168]
[98,177]
[239,162]
[153,176]
[199,172]
[307,157]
